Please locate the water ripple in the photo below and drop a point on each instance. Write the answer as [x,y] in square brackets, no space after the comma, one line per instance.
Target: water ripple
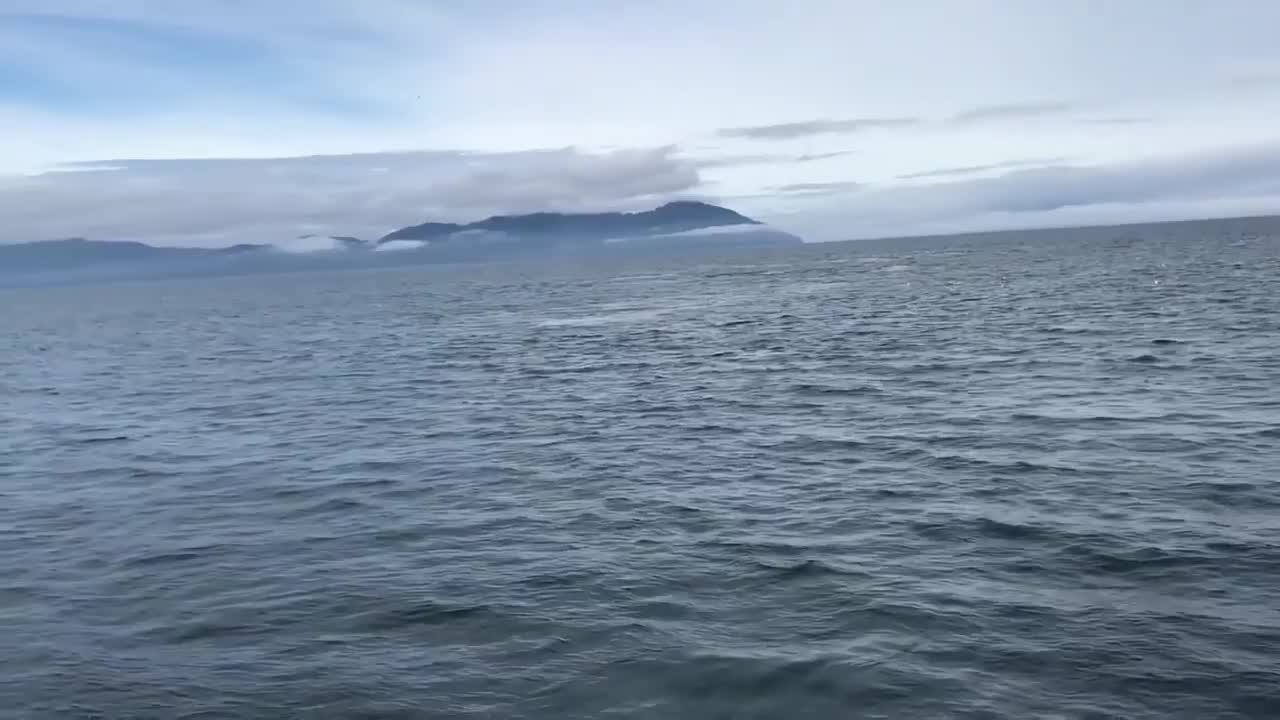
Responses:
[1002,476]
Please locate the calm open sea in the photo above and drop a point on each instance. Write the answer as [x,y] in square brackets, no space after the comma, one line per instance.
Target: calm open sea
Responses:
[1005,476]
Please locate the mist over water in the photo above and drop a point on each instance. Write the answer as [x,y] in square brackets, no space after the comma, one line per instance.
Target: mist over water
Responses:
[1006,476]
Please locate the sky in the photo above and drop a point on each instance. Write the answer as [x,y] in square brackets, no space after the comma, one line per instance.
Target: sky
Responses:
[212,122]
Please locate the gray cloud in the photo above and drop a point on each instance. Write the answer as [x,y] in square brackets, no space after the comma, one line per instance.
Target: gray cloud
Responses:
[728,161]
[819,188]
[769,159]
[1240,180]
[226,201]
[222,202]
[810,128]
[973,116]
[1011,111]
[815,157]
[1119,120]
[1257,79]
[975,169]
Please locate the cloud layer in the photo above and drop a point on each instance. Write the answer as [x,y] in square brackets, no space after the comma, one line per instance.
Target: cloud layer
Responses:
[228,201]
[254,122]
[1243,180]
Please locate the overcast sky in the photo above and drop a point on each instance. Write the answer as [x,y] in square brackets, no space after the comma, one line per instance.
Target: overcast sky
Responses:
[218,121]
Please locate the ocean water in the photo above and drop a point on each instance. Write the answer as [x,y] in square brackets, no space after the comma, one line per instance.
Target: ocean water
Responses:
[1029,475]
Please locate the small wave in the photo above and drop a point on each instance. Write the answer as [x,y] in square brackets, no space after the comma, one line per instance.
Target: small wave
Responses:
[1015,467]
[770,685]
[742,272]
[1137,560]
[207,630]
[564,579]
[147,473]
[1070,330]
[662,610]
[1233,494]
[806,568]
[712,429]
[602,319]
[1106,419]
[1167,341]
[832,390]
[423,613]
[1011,530]
[887,492]
[582,368]
[644,277]
[103,439]
[18,595]
[959,529]
[170,557]
[373,466]
[1239,548]
[946,530]
[813,444]
[754,548]
[337,505]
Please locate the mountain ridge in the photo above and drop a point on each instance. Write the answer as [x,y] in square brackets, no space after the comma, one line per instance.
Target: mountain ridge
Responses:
[670,226]
[675,216]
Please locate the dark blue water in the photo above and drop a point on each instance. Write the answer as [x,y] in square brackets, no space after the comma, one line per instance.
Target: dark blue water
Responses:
[990,477]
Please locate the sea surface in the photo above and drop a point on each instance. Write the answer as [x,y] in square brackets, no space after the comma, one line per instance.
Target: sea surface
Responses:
[1026,475]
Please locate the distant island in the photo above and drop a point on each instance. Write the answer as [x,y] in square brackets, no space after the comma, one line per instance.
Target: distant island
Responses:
[681,224]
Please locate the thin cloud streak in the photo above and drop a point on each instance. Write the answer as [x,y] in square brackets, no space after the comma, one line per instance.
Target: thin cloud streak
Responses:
[815,157]
[724,161]
[1119,120]
[976,169]
[819,187]
[1011,111]
[811,128]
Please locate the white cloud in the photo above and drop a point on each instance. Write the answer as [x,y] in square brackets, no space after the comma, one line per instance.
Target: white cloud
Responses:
[228,201]
[307,244]
[396,245]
